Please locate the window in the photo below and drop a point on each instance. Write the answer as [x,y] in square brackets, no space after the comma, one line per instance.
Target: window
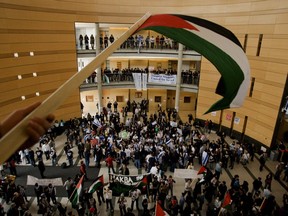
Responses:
[245,42]
[138,94]
[119,98]
[89,98]
[119,65]
[259,44]
[157,99]
[252,87]
[187,99]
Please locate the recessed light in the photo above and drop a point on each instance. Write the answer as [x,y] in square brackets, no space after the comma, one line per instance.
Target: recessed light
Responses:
[31,53]
[37,94]
[19,77]
[23,97]
[16,55]
[34,74]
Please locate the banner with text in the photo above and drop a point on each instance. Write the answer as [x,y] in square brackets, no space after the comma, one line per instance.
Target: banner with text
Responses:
[126,183]
[162,79]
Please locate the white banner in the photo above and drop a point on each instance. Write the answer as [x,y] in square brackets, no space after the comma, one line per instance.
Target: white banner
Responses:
[144,81]
[137,80]
[186,174]
[31,180]
[162,78]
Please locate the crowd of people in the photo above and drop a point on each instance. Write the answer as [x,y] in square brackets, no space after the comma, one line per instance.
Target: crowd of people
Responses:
[157,143]
[133,42]
[126,75]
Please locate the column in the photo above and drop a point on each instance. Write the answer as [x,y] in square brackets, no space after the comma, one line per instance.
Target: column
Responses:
[178,78]
[98,70]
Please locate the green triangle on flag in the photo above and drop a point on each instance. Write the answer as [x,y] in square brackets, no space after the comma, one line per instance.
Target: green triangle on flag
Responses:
[99,182]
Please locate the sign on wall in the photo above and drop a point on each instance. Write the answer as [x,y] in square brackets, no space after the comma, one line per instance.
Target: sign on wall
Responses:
[228,116]
[236,120]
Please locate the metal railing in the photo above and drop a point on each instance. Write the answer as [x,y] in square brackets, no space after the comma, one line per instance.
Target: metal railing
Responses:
[186,78]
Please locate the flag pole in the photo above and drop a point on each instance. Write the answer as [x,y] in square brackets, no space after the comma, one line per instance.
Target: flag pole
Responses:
[13,140]
[220,213]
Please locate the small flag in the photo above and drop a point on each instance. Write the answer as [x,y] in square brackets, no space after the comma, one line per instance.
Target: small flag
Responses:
[97,123]
[159,211]
[74,199]
[227,200]
[106,79]
[169,141]
[201,170]
[99,182]
[87,136]
[205,158]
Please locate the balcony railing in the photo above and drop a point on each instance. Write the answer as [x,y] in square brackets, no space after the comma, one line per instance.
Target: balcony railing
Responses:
[186,78]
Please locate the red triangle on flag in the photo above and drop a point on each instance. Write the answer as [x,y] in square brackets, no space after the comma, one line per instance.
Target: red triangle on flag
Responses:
[227,200]
[144,180]
[201,170]
[159,211]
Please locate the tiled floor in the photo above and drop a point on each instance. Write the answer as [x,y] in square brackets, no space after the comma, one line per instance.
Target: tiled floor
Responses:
[248,173]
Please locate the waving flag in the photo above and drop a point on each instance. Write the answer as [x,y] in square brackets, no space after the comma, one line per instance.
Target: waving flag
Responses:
[99,182]
[201,170]
[205,157]
[219,45]
[227,200]
[76,193]
[159,211]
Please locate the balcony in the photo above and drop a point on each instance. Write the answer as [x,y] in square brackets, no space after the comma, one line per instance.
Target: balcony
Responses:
[124,79]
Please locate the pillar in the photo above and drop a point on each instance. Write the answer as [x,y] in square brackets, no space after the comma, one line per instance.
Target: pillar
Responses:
[178,78]
[98,70]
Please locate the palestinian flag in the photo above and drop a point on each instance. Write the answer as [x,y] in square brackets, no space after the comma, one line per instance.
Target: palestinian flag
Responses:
[99,182]
[216,43]
[74,199]
[227,200]
[159,211]
[201,170]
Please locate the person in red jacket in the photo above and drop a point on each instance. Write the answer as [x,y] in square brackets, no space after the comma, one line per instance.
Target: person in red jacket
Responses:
[83,169]
[109,162]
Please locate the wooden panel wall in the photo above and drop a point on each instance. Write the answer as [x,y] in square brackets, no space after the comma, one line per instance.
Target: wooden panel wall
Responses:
[47,29]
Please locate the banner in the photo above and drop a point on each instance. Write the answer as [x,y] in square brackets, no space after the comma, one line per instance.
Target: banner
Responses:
[162,79]
[187,174]
[126,183]
[31,180]
[144,81]
[137,77]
